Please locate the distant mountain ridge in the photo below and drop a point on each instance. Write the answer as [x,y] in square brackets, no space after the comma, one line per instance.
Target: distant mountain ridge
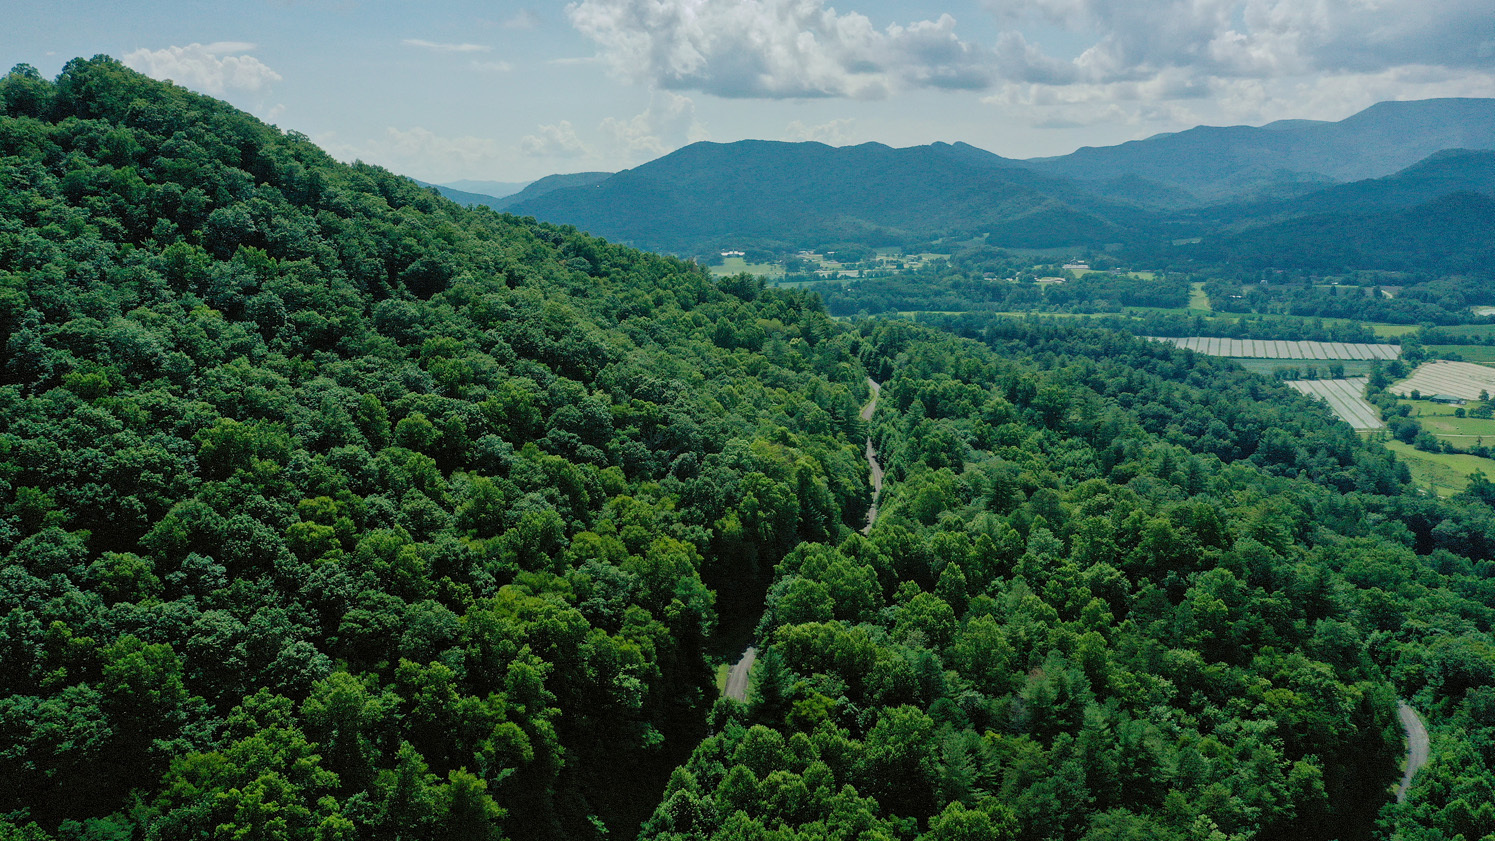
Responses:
[782,196]
[1221,163]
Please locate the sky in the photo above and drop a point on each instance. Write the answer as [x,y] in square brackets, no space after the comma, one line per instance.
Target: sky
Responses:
[504,91]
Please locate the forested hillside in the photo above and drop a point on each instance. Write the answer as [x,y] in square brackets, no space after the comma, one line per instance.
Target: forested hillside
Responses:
[332,510]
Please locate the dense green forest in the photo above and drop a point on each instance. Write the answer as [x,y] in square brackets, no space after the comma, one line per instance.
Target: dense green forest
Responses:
[332,510]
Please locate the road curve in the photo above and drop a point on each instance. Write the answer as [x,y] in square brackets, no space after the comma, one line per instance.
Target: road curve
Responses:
[1418,747]
[737,678]
[872,463]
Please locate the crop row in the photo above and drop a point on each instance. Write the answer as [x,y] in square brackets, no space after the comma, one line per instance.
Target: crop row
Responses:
[1458,379]
[1269,349]
[1347,399]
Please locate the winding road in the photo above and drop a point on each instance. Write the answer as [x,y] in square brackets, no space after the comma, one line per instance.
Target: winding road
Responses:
[1418,747]
[737,676]
[872,463]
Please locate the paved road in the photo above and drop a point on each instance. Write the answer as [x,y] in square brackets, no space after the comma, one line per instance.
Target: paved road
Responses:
[1418,746]
[871,404]
[737,678]
[872,463]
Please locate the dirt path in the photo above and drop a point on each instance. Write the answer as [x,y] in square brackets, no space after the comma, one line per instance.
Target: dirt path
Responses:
[1418,746]
[872,463]
[737,678]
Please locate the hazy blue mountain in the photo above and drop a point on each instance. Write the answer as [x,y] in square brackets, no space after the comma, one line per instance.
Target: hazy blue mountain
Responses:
[496,189]
[782,196]
[551,183]
[463,197]
[1289,157]
[1440,174]
[756,192]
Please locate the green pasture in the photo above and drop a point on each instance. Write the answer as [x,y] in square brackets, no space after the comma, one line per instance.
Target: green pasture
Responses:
[1439,419]
[1267,367]
[1447,472]
[737,265]
[1197,299]
[1482,354]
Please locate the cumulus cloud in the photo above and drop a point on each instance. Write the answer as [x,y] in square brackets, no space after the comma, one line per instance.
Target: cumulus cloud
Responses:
[522,19]
[834,133]
[668,123]
[554,141]
[775,48]
[1239,39]
[1157,61]
[446,48]
[420,150]
[215,68]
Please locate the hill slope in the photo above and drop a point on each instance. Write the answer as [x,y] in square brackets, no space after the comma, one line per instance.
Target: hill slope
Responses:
[1215,163]
[331,509]
[803,194]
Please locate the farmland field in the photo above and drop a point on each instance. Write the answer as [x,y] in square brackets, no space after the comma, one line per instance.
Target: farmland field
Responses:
[1459,379]
[1346,398]
[1479,354]
[737,265]
[1268,349]
[1269,367]
[1197,299]
[1447,472]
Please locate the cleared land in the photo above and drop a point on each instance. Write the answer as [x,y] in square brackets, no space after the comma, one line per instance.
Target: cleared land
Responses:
[1268,349]
[1197,299]
[1481,354]
[1448,473]
[1458,379]
[737,265]
[1347,399]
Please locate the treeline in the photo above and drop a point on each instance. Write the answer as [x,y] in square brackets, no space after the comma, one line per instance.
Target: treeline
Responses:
[1117,590]
[329,509]
[950,287]
[1442,301]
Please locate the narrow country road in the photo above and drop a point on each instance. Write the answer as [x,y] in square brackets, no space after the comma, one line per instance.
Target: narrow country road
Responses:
[737,678]
[872,463]
[1418,747]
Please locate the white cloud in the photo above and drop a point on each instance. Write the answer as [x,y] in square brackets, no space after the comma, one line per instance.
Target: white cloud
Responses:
[1167,64]
[833,133]
[491,66]
[522,19]
[420,150]
[775,48]
[668,123]
[554,141]
[446,48]
[212,68]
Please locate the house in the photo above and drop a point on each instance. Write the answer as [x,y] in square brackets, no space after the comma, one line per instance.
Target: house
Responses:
[1445,398]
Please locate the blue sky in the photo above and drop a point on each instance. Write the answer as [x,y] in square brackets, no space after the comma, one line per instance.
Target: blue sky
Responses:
[513,91]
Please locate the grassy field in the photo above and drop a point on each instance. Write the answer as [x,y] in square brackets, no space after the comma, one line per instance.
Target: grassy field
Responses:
[1265,367]
[1480,330]
[1440,420]
[1447,473]
[1482,354]
[1197,299]
[721,678]
[737,265]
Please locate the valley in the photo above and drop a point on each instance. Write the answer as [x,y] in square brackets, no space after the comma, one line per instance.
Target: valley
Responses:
[331,508]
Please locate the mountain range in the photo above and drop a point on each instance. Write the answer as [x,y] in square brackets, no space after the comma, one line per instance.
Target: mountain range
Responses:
[1212,182]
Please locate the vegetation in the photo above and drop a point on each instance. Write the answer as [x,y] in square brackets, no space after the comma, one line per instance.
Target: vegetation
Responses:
[330,510]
